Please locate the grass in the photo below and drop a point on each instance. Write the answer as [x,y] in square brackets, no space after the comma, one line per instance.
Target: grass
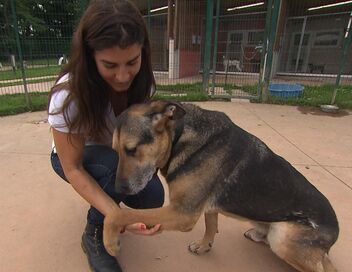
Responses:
[30,73]
[30,81]
[51,61]
[312,96]
[315,96]
[185,96]
[16,103]
[251,89]
[181,92]
[181,88]
[42,61]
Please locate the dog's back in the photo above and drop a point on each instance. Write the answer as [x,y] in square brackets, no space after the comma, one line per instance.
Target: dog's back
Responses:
[251,180]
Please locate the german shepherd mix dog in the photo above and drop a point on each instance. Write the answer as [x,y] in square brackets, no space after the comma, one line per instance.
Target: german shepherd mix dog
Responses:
[213,166]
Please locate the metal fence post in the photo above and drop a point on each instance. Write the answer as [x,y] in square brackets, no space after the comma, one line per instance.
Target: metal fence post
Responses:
[149,19]
[301,43]
[346,45]
[215,51]
[20,55]
[207,46]
[271,39]
[264,49]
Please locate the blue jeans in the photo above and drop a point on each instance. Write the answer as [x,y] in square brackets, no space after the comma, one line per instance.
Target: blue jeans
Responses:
[101,163]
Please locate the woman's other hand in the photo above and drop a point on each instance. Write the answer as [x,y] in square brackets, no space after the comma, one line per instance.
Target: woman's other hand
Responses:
[142,229]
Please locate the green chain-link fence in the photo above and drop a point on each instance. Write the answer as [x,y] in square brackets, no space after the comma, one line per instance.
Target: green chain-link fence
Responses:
[232,47]
[35,38]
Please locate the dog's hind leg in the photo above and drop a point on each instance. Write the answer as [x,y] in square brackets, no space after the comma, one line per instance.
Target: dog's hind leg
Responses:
[309,259]
[211,228]
[258,233]
[300,247]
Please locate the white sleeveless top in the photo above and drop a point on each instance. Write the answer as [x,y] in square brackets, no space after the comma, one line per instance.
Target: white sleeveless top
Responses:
[57,121]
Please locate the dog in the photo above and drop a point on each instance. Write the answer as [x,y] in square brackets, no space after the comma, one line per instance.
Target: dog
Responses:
[213,166]
[231,62]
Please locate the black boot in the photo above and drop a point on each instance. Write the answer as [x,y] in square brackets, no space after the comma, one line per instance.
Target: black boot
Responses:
[98,258]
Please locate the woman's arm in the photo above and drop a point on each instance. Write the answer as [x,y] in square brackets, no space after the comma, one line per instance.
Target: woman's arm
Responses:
[71,156]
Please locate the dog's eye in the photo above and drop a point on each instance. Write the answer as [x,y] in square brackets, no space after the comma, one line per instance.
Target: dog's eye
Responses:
[130,151]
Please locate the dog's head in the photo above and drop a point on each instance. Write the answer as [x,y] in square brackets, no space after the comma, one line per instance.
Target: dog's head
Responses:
[143,139]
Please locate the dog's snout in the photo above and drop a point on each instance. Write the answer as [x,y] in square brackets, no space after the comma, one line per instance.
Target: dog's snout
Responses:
[121,186]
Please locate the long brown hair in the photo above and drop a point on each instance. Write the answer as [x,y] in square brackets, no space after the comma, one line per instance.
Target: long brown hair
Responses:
[104,24]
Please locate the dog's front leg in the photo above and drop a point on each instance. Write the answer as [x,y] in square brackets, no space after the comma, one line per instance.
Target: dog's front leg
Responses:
[111,233]
[211,228]
[169,217]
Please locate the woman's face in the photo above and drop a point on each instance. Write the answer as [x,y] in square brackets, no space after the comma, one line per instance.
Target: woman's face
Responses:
[117,66]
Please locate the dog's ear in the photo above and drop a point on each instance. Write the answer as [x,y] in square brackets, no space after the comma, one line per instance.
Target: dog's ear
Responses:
[163,112]
[174,111]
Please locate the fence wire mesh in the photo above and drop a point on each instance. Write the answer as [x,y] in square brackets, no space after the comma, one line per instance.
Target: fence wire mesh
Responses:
[308,48]
[44,30]
[311,46]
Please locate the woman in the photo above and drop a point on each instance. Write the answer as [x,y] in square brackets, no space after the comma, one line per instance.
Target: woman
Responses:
[109,70]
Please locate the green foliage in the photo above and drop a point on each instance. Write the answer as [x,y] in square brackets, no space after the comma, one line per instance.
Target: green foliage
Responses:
[251,89]
[312,96]
[39,71]
[180,88]
[181,92]
[29,81]
[16,103]
[45,27]
[185,96]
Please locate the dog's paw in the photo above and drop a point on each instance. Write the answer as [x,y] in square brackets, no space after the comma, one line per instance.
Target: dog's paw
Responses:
[113,247]
[256,236]
[200,247]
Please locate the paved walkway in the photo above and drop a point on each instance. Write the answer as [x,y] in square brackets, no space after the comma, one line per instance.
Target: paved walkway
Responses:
[42,217]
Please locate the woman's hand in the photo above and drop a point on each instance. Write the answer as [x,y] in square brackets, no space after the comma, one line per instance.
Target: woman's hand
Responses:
[141,229]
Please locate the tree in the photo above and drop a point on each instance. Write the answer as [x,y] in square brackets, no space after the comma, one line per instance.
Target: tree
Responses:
[45,26]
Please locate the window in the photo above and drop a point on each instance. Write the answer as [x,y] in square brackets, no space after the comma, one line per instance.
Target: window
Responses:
[327,39]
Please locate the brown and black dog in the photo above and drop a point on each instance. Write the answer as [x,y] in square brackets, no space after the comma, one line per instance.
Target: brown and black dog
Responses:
[213,166]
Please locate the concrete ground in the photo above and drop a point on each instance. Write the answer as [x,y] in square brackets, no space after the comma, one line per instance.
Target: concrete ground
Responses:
[42,218]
